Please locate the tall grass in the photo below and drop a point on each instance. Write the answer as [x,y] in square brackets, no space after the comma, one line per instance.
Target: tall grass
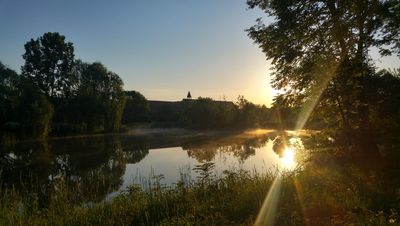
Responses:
[322,194]
[229,199]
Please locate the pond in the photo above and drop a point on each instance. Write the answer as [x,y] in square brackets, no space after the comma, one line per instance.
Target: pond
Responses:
[105,165]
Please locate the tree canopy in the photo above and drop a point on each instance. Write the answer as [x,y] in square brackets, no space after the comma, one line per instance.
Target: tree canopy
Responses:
[48,63]
[320,53]
[136,108]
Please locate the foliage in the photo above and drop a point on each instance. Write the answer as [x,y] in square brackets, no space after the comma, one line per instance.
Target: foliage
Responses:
[105,85]
[187,203]
[324,193]
[391,27]
[320,53]
[205,113]
[251,115]
[86,97]
[49,62]
[35,111]
[8,93]
[99,100]
[82,97]
[25,111]
[136,108]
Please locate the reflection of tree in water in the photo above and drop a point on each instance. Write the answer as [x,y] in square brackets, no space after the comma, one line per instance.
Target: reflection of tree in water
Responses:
[279,144]
[135,148]
[202,154]
[18,162]
[284,140]
[92,166]
[135,155]
[241,147]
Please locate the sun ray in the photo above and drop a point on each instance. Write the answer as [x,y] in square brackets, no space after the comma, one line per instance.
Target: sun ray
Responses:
[315,94]
[266,215]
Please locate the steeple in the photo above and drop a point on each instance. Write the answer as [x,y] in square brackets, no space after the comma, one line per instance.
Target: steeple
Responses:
[189,96]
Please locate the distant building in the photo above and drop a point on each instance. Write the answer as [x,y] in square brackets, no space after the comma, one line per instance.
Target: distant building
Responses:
[170,110]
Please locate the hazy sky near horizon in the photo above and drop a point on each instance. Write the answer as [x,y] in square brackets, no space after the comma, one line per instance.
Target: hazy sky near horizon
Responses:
[161,48]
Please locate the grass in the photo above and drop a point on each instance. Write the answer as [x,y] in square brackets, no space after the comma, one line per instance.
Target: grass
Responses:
[324,192]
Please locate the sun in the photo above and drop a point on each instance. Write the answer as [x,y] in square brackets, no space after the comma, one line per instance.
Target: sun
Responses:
[288,158]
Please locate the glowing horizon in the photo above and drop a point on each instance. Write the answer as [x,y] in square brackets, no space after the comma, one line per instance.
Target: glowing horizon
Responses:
[161,49]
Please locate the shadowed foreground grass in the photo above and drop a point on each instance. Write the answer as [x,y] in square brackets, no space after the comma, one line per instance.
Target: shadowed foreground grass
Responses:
[323,193]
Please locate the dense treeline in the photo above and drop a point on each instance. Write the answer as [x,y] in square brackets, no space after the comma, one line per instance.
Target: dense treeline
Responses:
[57,94]
[205,113]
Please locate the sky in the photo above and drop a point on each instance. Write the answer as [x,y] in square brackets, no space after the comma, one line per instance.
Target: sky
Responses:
[160,48]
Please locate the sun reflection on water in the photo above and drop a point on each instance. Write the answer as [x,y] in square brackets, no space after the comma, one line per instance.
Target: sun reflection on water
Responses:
[288,158]
[266,215]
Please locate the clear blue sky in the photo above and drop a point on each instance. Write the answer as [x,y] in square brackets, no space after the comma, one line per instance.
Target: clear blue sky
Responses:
[160,48]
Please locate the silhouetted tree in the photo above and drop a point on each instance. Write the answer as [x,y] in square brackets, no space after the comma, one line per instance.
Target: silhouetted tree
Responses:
[390,42]
[319,50]
[136,108]
[8,94]
[205,113]
[102,88]
[49,62]
[34,111]
[248,113]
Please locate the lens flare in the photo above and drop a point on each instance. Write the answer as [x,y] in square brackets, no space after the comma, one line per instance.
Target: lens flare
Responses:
[288,158]
[267,213]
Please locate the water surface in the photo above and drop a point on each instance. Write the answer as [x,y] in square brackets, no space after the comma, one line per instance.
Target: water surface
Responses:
[104,165]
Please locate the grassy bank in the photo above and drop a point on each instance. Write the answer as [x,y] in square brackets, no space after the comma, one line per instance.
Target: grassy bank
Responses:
[326,192]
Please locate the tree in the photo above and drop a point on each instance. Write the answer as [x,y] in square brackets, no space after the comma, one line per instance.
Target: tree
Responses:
[103,88]
[206,113]
[136,109]
[25,112]
[390,42]
[8,93]
[34,111]
[248,113]
[202,114]
[319,50]
[49,63]
[96,102]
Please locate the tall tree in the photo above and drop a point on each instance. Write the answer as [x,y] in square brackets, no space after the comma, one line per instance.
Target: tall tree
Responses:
[105,88]
[319,49]
[49,63]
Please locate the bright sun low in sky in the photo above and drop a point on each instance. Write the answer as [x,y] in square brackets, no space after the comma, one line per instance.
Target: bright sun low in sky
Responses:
[161,48]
